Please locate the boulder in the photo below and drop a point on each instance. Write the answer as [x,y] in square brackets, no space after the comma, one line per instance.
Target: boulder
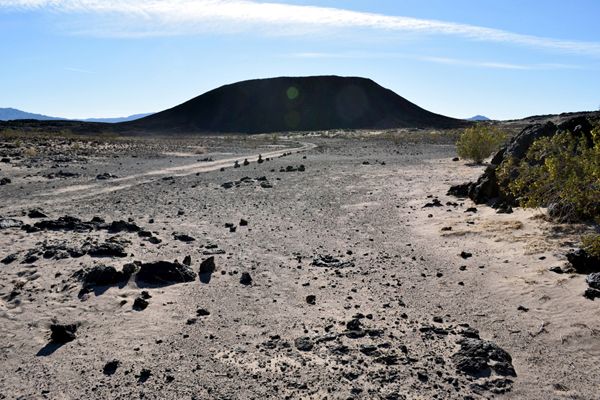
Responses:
[593,280]
[6,223]
[478,358]
[208,266]
[583,262]
[102,275]
[163,273]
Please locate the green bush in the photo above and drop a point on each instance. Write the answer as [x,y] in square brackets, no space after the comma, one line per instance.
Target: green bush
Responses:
[479,142]
[562,172]
[591,244]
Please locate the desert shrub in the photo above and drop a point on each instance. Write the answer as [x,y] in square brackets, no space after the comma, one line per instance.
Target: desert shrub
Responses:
[30,152]
[561,172]
[591,244]
[478,142]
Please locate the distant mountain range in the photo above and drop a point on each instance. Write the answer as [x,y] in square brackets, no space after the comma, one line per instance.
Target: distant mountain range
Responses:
[118,119]
[479,118]
[286,104]
[8,114]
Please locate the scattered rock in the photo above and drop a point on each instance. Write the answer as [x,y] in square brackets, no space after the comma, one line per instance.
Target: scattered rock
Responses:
[461,190]
[329,261]
[434,203]
[593,280]
[101,275]
[208,266]
[163,273]
[304,343]
[144,375]
[9,259]
[201,312]
[311,299]
[245,279]
[61,333]
[123,226]
[465,254]
[107,249]
[556,270]
[36,213]
[183,237]
[5,181]
[111,367]
[479,358]
[105,176]
[591,293]
[6,223]
[140,303]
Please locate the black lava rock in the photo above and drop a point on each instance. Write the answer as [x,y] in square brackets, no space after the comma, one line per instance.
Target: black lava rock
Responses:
[304,344]
[201,312]
[63,333]
[583,262]
[36,213]
[111,367]
[102,275]
[208,266]
[107,250]
[163,273]
[183,237]
[593,280]
[479,358]
[245,279]
[140,303]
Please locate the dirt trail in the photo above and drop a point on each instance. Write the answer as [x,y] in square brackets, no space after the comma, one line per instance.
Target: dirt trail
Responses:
[81,191]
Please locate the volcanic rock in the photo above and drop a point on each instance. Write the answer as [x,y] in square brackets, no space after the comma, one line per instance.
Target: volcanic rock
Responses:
[6,223]
[63,333]
[479,358]
[303,344]
[245,279]
[208,266]
[107,249]
[583,262]
[163,273]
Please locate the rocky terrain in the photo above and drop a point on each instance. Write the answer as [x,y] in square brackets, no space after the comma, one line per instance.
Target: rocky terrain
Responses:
[315,266]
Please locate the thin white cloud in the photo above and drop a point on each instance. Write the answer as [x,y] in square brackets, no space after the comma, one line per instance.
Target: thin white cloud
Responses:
[168,17]
[437,60]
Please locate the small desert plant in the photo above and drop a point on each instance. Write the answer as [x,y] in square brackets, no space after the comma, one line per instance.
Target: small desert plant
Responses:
[274,138]
[591,244]
[479,142]
[30,152]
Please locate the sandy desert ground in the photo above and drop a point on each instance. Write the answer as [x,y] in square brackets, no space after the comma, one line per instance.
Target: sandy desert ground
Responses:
[342,270]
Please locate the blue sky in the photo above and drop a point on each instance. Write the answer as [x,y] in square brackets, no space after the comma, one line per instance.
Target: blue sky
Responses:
[99,58]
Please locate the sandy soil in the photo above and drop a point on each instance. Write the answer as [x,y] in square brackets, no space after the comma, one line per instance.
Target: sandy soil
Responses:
[382,323]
